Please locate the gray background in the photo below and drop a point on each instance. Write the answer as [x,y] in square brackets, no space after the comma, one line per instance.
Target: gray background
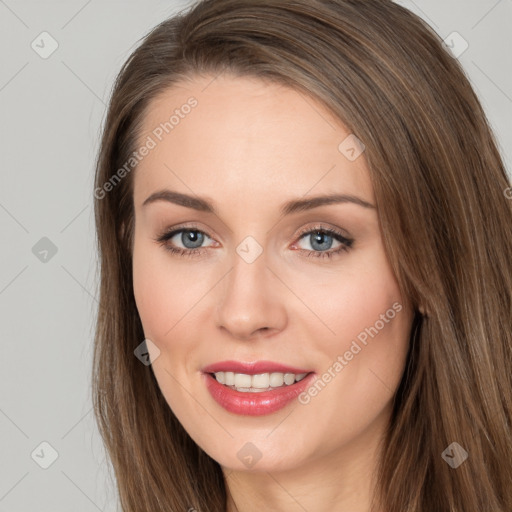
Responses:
[51,112]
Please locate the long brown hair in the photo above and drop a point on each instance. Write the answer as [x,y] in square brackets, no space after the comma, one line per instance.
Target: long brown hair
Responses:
[440,187]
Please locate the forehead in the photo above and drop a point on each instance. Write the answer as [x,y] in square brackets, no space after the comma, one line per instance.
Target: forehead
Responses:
[257,139]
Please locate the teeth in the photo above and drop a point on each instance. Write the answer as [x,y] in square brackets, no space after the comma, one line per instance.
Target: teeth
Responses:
[259,382]
[242,380]
[289,378]
[276,379]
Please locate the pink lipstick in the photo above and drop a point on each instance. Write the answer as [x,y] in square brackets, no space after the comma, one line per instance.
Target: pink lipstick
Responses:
[257,388]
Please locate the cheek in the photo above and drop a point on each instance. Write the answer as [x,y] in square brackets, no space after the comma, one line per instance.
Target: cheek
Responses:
[361,361]
[357,297]
[170,295]
[367,336]
[154,288]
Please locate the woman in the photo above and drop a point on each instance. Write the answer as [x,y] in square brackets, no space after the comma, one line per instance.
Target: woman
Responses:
[306,291]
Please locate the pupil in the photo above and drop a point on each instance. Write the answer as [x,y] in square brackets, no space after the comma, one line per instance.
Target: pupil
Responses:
[193,237]
[319,238]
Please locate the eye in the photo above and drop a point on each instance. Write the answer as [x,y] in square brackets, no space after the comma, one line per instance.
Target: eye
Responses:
[321,240]
[190,238]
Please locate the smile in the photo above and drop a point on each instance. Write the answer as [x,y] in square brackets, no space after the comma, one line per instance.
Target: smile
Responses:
[255,389]
[257,383]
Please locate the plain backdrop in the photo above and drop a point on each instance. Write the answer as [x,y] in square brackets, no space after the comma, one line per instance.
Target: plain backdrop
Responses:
[52,108]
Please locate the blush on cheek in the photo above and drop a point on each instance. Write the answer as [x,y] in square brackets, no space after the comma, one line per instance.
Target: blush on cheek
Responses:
[363,316]
[374,330]
[148,294]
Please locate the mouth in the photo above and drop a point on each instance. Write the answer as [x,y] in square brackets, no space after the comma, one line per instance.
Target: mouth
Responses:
[255,389]
[257,383]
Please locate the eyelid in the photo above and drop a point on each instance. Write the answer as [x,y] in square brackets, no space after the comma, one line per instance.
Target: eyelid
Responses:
[319,226]
[170,232]
[345,240]
[323,227]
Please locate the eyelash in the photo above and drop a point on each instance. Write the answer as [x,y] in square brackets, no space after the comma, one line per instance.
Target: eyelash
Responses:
[346,243]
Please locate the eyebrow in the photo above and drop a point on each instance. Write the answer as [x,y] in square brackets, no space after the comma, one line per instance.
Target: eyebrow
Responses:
[294,206]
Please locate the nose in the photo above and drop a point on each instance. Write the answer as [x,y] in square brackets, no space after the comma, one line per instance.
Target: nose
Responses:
[252,300]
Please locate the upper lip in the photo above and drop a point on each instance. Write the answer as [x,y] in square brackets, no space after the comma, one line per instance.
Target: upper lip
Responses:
[252,368]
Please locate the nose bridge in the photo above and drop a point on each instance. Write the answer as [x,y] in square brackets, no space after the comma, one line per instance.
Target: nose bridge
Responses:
[249,270]
[250,300]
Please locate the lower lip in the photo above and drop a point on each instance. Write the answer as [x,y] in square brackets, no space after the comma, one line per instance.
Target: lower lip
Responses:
[255,404]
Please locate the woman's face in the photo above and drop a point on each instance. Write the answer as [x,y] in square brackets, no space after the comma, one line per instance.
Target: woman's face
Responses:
[267,274]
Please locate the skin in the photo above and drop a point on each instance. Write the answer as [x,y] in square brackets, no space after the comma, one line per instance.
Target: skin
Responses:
[250,146]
